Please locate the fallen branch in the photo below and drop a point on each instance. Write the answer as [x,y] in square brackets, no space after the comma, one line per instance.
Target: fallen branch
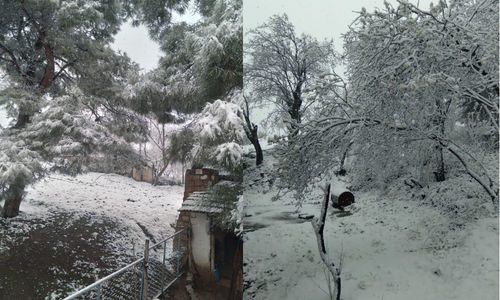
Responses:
[417,183]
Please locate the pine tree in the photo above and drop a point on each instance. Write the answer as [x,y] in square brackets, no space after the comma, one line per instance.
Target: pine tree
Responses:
[218,135]
[202,64]
[64,88]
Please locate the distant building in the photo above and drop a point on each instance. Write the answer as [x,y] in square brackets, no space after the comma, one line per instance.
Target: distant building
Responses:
[147,174]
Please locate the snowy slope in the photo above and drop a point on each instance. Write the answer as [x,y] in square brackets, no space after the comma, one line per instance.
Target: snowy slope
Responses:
[85,228]
[393,246]
[128,202]
[138,209]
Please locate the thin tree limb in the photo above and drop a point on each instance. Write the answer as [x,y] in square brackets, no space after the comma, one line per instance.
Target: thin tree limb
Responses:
[319,226]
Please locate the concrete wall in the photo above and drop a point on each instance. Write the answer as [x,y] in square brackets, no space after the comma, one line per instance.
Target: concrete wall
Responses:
[201,245]
[148,175]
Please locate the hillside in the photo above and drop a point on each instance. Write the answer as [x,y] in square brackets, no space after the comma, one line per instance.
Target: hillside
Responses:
[72,231]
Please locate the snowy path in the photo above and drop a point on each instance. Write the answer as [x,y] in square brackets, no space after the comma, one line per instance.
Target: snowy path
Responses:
[388,250]
[261,217]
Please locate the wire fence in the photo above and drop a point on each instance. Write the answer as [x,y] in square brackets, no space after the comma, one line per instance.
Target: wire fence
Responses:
[145,278]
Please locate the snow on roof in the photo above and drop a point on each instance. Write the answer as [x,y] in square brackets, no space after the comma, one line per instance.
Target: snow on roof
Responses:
[199,201]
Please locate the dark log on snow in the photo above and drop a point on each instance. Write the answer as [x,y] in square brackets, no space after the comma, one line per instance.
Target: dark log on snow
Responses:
[341,198]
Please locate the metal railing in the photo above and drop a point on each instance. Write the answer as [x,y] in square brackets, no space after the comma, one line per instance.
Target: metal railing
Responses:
[144,279]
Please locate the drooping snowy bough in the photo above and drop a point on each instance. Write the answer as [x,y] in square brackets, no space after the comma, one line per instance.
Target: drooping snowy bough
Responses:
[319,225]
[421,102]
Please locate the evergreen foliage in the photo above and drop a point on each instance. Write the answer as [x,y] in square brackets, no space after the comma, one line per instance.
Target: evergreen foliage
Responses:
[64,90]
[202,64]
[218,136]
[225,197]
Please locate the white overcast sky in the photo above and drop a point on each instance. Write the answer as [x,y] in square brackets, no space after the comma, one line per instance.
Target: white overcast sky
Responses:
[320,18]
[136,43]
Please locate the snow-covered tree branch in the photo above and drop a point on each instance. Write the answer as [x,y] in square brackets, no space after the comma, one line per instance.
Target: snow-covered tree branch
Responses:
[218,135]
[283,65]
[319,226]
[422,89]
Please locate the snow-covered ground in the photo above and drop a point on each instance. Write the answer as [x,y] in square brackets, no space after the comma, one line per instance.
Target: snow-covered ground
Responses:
[439,242]
[132,204]
[84,226]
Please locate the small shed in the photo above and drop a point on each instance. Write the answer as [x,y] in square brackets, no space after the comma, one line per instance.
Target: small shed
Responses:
[147,174]
[209,246]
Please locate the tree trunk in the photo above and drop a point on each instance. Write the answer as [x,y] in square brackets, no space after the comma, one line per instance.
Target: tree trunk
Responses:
[48,77]
[342,171]
[13,201]
[15,193]
[441,120]
[182,177]
[251,130]
[439,174]
[252,135]
[254,138]
[161,172]
[295,108]
[319,226]
[22,120]
[258,150]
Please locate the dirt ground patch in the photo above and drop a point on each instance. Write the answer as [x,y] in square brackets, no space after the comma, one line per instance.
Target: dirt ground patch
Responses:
[177,290]
[203,291]
[47,259]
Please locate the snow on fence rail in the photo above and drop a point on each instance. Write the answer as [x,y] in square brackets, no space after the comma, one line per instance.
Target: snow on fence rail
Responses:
[144,279]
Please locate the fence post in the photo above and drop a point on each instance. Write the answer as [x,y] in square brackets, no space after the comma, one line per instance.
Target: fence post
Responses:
[135,275]
[144,284]
[98,291]
[179,251]
[163,266]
